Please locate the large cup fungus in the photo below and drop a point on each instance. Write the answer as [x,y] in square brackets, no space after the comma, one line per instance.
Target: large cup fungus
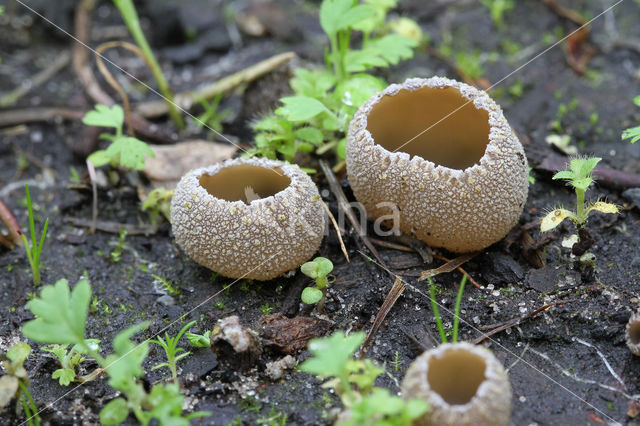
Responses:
[464,384]
[442,155]
[248,217]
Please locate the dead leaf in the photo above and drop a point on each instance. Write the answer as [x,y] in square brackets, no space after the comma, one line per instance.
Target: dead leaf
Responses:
[633,409]
[290,335]
[173,161]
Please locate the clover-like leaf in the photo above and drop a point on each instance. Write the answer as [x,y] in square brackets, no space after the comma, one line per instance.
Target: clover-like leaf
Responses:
[64,375]
[129,152]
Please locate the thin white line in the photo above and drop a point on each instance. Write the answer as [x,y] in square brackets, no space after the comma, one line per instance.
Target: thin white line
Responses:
[494,341]
[604,359]
[510,74]
[151,89]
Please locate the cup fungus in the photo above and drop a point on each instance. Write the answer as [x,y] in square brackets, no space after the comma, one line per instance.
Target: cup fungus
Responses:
[441,155]
[464,384]
[632,333]
[248,217]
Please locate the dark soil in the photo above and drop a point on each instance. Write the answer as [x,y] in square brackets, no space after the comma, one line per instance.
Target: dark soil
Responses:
[556,360]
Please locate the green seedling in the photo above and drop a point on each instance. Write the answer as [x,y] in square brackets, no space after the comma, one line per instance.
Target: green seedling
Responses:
[200,340]
[456,313]
[131,20]
[158,203]
[124,151]
[118,246]
[353,381]
[211,117]
[14,383]
[498,8]
[632,133]
[166,285]
[266,309]
[61,316]
[579,177]
[171,349]
[317,116]
[34,250]
[318,269]
[70,360]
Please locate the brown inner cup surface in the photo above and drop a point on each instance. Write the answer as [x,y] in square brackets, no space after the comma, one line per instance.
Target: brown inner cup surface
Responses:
[245,183]
[456,376]
[458,141]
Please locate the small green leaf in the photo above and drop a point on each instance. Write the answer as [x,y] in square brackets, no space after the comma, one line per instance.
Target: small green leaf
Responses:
[554,218]
[336,15]
[64,375]
[19,353]
[342,148]
[300,108]
[358,89]
[115,412]
[313,83]
[103,116]
[129,152]
[199,340]
[564,174]
[331,354]
[60,315]
[99,158]
[311,295]
[632,133]
[126,362]
[310,134]
[318,267]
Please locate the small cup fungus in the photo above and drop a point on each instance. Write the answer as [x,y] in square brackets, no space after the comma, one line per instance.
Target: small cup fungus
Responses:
[441,155]
[248,217]
[632,333]
[464,384]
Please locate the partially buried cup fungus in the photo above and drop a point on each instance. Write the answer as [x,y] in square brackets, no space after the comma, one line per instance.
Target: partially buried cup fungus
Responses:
[464,384]
[248,217]
[441,155]
[632,333]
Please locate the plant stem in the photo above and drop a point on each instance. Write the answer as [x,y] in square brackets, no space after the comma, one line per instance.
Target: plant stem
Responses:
[130,16]
[580,207]
[456,315]
[436,311]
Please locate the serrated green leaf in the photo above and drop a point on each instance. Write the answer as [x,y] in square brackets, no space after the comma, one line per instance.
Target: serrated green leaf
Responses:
[311,295]
[331,354]
[126,362]
[104,116]
[582,184]
[336,15]
[554,218]
[273,124]
[60,315]
[64,375]
[130,152]
[199,340]
[115,412]
[312,83]
[310,134]
[300,108]
[382,52]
